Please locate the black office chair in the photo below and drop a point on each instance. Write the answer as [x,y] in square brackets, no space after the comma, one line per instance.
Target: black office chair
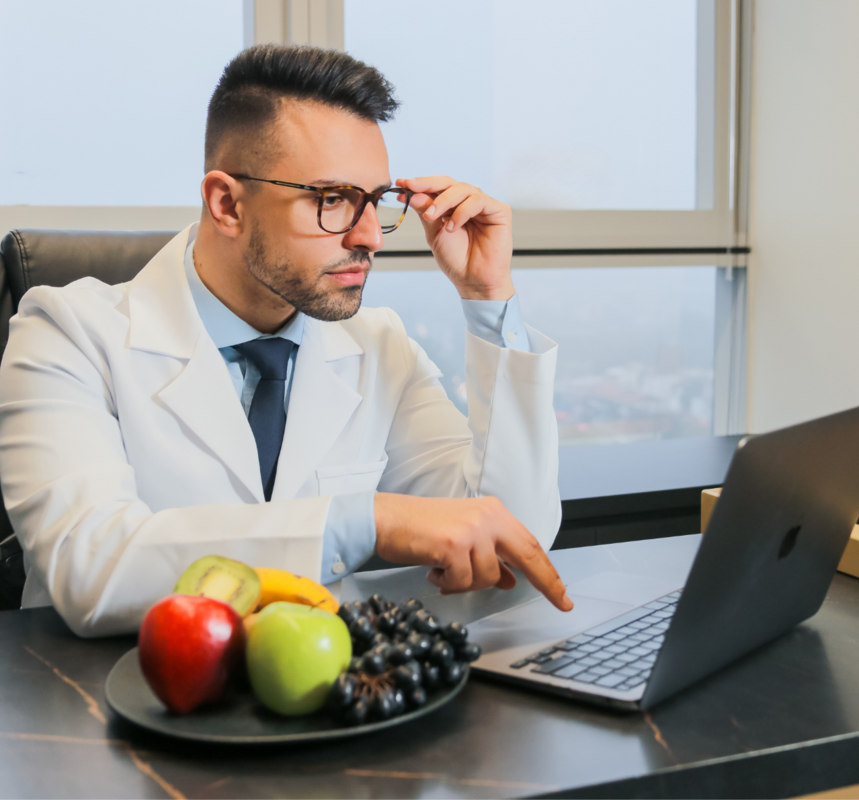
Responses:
[55,258]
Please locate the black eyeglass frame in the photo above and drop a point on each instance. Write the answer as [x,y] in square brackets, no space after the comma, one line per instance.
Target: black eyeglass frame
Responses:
[373,197]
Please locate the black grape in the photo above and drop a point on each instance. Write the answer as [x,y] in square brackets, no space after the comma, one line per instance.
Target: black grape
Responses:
[424,622]
[399,700]
[377,603]
[417,698]
[356,714]
[468,652]
[456,633]
[362,629]
[431,675]
[452,673]
[384,703]
[441,653]
[400,653]
[348,613]
[342,691]
[380,639]
[373,663]
[412,605]
[420,643]
[402,630]
[387,622]
[406,678]
[415,667]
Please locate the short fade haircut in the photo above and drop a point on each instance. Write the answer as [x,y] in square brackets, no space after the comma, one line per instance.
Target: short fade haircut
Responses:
[249,94]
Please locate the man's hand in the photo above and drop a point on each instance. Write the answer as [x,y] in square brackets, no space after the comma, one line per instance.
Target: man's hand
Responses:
[464,541]
[470,234]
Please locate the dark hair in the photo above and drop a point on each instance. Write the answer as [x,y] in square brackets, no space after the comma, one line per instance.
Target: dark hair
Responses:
[248,95]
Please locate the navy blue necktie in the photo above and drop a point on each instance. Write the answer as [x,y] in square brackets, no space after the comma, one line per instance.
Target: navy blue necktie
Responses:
[267,414]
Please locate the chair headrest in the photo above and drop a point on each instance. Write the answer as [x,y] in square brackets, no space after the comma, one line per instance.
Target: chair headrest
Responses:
[56,258]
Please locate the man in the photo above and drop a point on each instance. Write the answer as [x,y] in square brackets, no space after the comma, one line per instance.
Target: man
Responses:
[233,400]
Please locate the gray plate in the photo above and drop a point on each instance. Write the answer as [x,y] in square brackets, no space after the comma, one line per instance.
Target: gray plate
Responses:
[241,719]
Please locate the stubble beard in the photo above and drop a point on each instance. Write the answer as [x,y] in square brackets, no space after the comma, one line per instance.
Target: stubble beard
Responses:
[310,298]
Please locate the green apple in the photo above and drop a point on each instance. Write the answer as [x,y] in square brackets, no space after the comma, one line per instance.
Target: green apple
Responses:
[294,654]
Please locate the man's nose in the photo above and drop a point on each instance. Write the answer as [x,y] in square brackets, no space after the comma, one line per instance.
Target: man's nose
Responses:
[367,233]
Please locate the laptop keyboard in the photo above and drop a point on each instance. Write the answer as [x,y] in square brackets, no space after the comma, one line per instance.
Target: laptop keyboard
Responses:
[619,654]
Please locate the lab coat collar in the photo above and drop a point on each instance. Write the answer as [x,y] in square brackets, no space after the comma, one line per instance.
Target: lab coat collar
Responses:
[162,315]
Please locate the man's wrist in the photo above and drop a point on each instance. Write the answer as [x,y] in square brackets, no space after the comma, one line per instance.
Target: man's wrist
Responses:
[395,515]
[501,292]
[384,513]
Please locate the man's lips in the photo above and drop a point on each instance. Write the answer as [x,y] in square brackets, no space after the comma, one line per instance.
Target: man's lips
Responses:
[349,276]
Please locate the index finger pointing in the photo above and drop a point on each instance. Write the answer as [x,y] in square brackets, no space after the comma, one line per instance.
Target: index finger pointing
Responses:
[526,555]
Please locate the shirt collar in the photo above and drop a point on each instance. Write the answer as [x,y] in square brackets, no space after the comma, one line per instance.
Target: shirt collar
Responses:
[225,328]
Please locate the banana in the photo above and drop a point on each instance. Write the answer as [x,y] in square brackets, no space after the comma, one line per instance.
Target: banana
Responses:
[278,584]
[249,622]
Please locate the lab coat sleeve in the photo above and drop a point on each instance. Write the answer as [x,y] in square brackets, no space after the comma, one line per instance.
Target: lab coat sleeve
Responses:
[508,445]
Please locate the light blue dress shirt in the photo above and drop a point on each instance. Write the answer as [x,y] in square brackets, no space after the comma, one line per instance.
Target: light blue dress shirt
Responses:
[350,530]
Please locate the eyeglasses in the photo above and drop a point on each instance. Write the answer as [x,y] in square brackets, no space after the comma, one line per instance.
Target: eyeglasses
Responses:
[340,207]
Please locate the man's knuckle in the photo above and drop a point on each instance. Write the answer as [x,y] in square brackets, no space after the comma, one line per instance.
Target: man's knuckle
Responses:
[489,504]
[473,522]
[531,547]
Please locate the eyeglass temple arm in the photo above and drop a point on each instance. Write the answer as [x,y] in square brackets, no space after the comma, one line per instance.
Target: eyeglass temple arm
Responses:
[240,176]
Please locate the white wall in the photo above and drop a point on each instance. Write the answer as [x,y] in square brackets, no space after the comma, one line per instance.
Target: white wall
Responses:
[804,270]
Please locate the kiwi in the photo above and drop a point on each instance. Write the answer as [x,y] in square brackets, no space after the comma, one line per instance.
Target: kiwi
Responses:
[222,579]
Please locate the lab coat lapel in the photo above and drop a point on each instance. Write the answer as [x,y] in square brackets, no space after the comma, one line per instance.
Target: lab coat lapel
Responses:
[164,320]
[320,404]
[203,397]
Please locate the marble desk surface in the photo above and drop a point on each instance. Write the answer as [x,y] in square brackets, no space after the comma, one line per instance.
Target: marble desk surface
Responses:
[781,722]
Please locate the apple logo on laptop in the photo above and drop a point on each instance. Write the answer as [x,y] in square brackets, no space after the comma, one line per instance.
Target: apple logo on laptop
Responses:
[789,542]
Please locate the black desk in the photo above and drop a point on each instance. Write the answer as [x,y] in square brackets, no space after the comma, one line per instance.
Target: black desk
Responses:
[782,722]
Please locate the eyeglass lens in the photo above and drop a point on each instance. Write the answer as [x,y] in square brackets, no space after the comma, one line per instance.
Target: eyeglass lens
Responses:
[340,207]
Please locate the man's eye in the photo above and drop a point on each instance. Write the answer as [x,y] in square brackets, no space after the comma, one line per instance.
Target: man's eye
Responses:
[332,200]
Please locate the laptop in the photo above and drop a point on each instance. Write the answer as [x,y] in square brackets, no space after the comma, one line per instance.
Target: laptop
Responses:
[787,508]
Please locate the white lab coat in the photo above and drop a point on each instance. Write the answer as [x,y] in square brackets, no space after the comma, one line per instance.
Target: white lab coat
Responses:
[125,454]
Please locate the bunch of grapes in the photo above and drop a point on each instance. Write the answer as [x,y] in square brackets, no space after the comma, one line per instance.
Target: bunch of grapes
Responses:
[400,653]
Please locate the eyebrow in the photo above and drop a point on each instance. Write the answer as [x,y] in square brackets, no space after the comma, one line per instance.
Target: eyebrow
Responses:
[327,182]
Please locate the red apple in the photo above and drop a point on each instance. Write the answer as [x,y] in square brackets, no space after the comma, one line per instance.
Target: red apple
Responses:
[190,648]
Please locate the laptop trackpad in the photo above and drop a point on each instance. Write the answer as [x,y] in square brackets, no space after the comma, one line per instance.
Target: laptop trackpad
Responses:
[623,587]
[597,599]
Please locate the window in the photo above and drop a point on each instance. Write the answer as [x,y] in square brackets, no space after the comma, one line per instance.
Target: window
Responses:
[608,125]
[114,95]
[557,105]
[636,345]
[604,123]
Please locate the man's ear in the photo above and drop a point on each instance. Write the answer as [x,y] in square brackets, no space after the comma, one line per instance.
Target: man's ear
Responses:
[224,198]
